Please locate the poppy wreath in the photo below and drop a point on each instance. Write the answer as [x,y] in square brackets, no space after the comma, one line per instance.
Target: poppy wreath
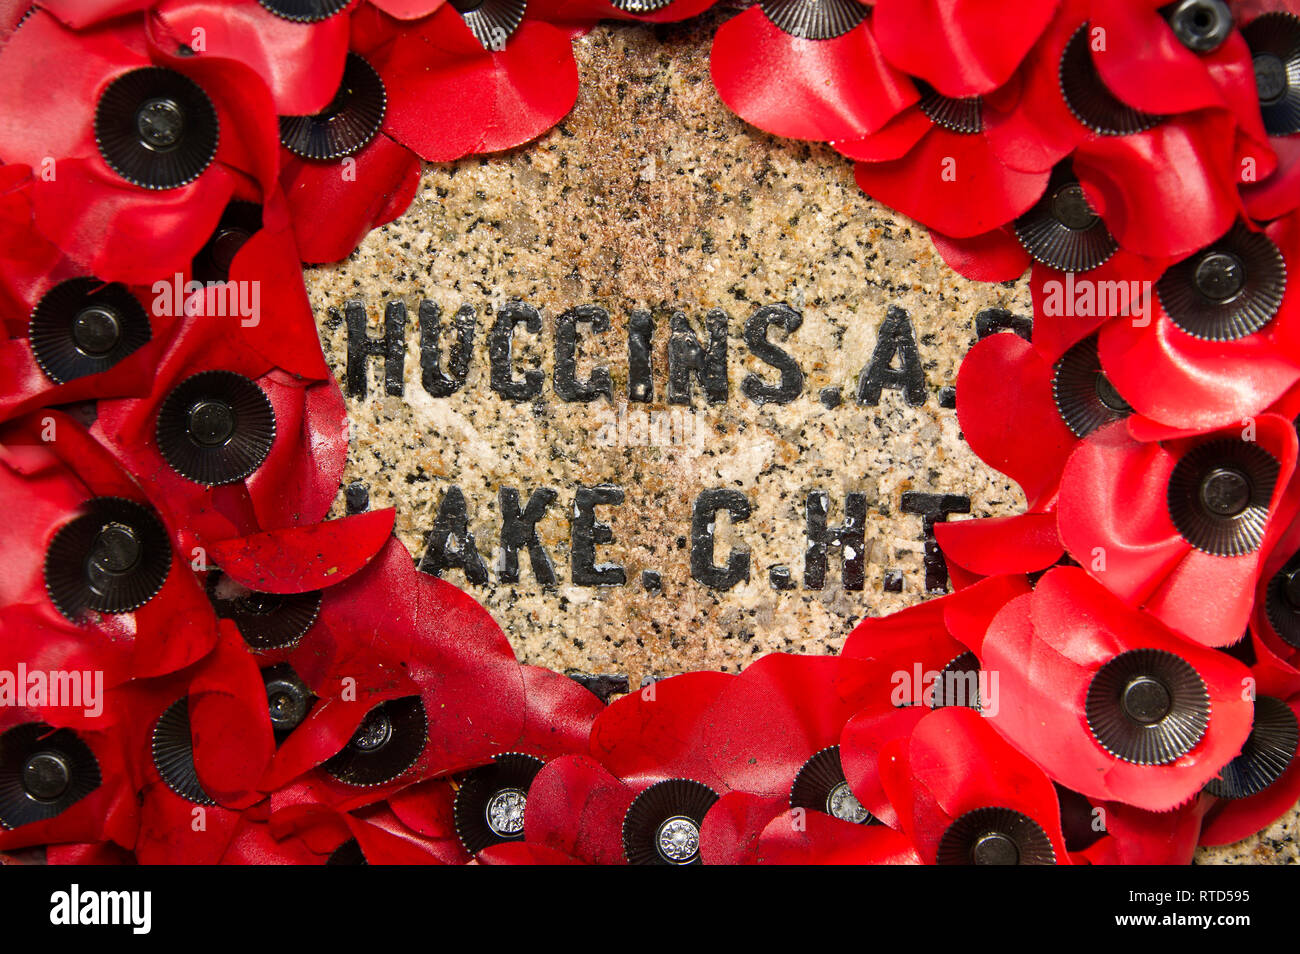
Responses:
[279,687]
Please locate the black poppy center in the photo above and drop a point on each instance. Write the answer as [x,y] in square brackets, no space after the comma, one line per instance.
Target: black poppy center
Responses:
[1270,77]
[1291,588]
[1070,207]
[374,732]
[259,603]
[287,703]
[96,330]
[46,776]
[995,848]
[1201,25]
[1225,492]
[210,422]
[116,549]
[1110,397]
[1219,276]
[224,245]
[465,6]
[1146,700]
[161,123]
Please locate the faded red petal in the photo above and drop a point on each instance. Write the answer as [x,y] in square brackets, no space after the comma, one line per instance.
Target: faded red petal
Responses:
[653,734]
[801,838]
[954,763]
[576,807]
[298,559]
[731,828]
[806,89]
[995,256]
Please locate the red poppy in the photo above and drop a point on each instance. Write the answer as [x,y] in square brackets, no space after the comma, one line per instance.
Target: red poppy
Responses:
[1275,195]
[751,732]
[276,463]
[923,657]
[95,806]
[557,721]
[150,618]
[1142,174]
[199,742]
[1193,366]
[964,796]
[1262,783]
[430,87]
[39,369]
[1068,308]
[752,736]
[1177,527]
[576,807]
[790,83]
[437,652]
[226,140]
[933,163]
[1107,700]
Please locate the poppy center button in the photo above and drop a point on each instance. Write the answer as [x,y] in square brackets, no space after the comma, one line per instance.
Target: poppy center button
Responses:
[161,123]
[211,422]
[505,812]
[1220,276]
[117,549]
[96,330]
[995,848]
[1071,208]
[1270,77]
[374,732]
[1225,492]
[1201,25]
[844,805]
[679,839]
[1146,700]
[46,776]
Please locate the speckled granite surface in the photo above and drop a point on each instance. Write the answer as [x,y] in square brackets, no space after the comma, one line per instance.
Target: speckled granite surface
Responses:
[652,196]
